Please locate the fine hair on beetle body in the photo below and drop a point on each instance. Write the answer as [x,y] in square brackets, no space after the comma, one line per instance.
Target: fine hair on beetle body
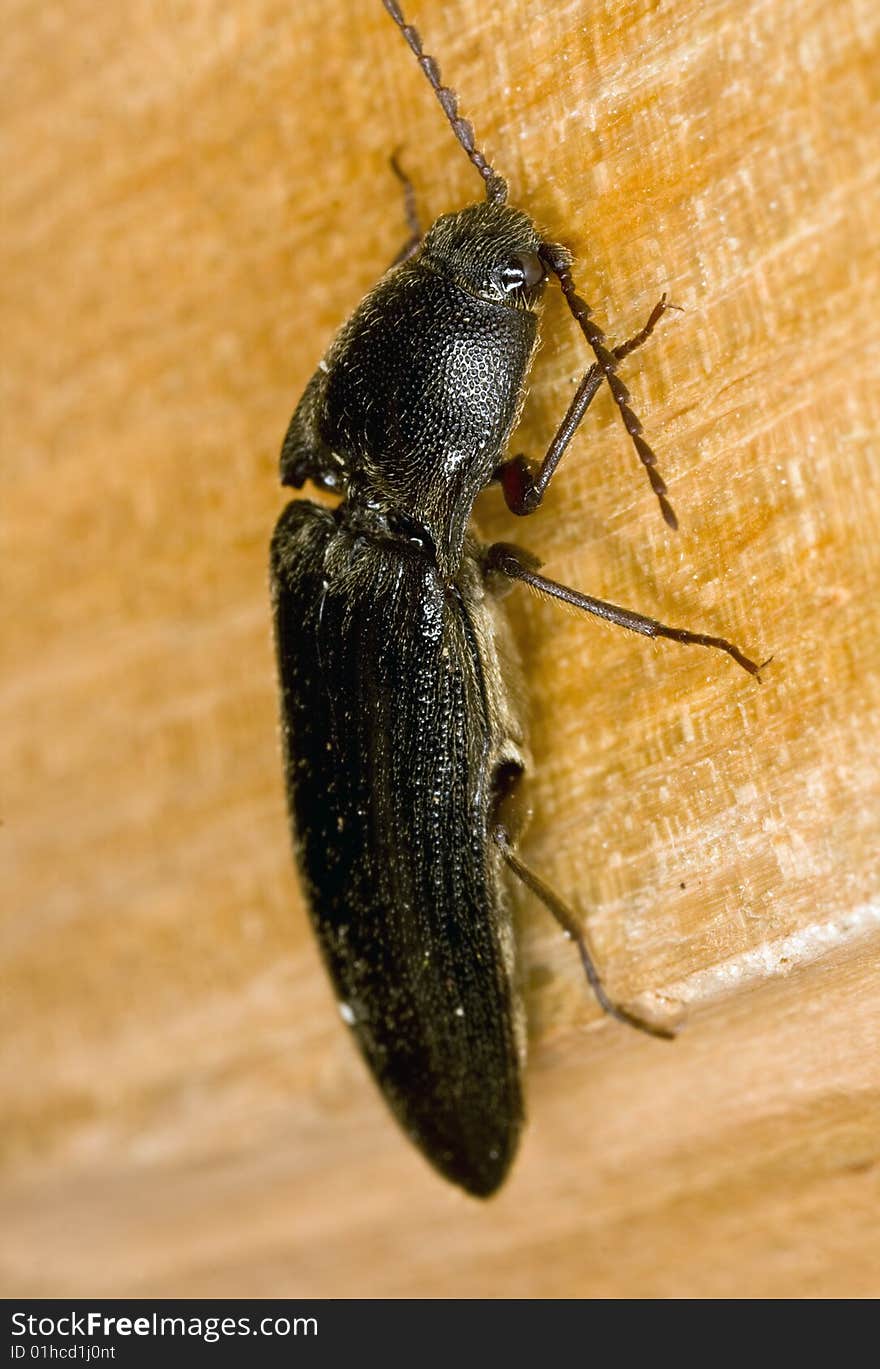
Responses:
[401,727]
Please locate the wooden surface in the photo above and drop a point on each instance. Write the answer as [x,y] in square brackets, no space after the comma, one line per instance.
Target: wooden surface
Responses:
[195,196]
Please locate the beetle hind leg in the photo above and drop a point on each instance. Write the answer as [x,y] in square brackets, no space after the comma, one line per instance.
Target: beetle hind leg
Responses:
[509,816]
[664,1024]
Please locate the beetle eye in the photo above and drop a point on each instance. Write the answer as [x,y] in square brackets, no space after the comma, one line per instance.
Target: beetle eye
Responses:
[522,271]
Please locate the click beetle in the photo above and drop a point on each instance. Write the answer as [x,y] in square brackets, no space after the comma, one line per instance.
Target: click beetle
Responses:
[403,742]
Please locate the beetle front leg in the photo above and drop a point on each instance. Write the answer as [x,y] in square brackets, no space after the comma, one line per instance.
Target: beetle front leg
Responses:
[525,485]
[506,559]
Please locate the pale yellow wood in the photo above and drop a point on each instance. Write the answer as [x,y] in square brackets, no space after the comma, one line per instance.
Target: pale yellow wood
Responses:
[195,196]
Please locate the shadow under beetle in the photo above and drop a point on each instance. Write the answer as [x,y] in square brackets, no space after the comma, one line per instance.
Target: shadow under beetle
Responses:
[402,742]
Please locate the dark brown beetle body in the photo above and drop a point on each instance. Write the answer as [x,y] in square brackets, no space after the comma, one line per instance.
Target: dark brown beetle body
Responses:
[396,714]
[401,732]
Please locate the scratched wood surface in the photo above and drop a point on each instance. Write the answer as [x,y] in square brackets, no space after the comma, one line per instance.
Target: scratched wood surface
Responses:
[195,196]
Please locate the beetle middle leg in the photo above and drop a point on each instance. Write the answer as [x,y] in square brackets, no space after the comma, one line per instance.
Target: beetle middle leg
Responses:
[516,564]
[505,822]
[525,485]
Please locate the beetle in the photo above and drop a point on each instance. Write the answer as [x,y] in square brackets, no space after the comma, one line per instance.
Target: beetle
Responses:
[401,731]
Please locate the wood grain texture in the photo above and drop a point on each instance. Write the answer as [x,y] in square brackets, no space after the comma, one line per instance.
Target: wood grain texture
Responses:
[195,197]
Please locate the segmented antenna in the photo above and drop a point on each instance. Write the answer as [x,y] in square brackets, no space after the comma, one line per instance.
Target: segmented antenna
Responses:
[496,186]
[559,262]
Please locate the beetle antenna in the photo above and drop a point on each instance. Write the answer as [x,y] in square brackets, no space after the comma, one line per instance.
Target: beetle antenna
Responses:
[496,186]
[559,261]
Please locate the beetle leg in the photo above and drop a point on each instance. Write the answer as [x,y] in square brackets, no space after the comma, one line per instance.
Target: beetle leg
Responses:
[506,559]
[410,209]
[524,484]
[665,1026]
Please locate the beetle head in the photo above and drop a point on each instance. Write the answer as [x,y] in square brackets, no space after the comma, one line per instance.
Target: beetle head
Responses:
[490,250]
